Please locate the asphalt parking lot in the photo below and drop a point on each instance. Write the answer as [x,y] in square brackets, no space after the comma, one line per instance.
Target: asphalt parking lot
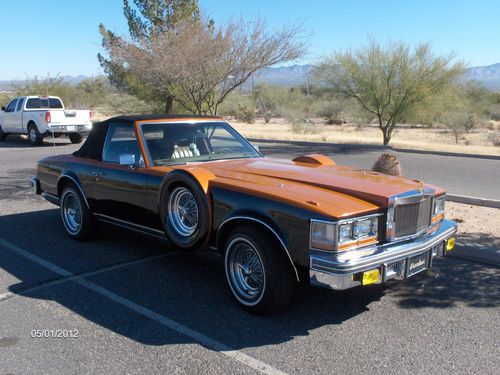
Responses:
[138,305]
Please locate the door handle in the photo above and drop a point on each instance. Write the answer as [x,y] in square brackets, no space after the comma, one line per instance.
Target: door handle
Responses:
[97,174]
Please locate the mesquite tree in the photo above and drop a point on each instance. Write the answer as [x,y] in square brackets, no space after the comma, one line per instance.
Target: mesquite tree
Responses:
[197,63]
[145,19]
[388,80]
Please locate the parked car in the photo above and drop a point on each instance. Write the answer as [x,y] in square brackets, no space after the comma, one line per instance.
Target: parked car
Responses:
[198,183]
[40,116]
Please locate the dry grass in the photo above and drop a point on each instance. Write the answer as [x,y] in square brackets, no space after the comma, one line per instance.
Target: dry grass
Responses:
[433,139]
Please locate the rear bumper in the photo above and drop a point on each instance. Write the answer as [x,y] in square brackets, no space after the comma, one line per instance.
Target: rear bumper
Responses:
[63,129]
[345,270]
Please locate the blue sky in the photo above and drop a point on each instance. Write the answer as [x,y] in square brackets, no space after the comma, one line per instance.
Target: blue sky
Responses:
[61,36]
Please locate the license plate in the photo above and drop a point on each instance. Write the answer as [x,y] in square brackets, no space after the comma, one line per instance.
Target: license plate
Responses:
[417,264]
[71,128]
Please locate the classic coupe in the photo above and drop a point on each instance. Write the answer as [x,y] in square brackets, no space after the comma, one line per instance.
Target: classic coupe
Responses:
[199,184]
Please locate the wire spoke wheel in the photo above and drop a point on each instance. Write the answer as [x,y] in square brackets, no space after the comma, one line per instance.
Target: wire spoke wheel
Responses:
[245,271]
[71,212]
[183,213]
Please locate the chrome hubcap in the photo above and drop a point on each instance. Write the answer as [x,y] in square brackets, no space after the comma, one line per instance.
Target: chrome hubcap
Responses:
[245,270]
[71,212]
[183,213]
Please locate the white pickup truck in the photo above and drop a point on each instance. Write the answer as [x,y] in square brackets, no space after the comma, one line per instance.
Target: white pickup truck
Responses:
[41,116]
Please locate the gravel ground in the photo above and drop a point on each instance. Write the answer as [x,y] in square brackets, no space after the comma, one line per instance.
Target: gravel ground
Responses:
[476,223]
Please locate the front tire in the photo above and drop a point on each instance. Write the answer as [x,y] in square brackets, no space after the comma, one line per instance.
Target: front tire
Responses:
[2,134]
[258,272]
[77,218]
[75,138]
[34,136]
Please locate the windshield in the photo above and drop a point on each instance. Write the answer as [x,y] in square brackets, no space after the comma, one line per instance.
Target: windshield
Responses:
[204,141]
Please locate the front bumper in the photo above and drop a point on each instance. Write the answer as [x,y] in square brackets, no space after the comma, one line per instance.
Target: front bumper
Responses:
[35,185]
[392,260]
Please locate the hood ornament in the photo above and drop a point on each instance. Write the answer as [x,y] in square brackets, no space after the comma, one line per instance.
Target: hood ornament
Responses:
[420,186]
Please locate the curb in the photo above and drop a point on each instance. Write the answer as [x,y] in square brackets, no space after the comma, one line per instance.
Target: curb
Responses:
[473,200]
[375,147]
[476,253]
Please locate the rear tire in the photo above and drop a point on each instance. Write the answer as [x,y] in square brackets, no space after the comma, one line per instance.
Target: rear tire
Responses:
[75,138]
[258,272]
[34,136]
[77,218]
[2,134]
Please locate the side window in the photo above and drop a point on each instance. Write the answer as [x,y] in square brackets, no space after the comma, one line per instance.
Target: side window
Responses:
[121,140]
[20,104]
[12,106]
[55,103]
[33,103]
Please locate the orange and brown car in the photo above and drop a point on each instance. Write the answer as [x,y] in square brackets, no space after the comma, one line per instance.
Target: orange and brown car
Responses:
[197,183]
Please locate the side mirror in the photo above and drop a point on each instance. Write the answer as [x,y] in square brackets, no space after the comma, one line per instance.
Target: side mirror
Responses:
[127,159]
[4,109]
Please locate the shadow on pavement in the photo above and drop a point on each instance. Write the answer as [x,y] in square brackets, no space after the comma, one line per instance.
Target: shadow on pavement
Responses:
[18,141]
[191,289]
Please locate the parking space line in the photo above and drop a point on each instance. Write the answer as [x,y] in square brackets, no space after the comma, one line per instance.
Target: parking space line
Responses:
[64,279]
[204,340]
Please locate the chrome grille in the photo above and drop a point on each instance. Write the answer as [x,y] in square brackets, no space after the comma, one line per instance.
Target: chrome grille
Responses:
[411,218]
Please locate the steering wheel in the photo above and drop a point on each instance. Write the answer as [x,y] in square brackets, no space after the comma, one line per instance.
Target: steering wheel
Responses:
[224,150]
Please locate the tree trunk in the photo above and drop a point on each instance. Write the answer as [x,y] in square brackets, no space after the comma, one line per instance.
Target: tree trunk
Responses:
[169,103]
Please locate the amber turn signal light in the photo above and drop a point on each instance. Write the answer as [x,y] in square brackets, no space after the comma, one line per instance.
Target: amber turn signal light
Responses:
[450,244]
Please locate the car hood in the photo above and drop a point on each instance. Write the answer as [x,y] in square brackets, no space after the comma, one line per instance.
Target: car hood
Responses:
[333,190]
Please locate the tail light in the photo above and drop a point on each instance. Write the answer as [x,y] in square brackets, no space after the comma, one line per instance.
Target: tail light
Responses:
[91,115]
[48,117]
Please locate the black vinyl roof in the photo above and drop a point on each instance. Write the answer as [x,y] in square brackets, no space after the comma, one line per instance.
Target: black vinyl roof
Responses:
[132,118]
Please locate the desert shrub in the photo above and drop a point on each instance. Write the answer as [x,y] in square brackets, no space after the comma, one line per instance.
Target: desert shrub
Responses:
[495,139]
[246,114]
[328,108]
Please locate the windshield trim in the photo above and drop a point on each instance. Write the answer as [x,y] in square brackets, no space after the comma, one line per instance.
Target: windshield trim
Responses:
[192,122]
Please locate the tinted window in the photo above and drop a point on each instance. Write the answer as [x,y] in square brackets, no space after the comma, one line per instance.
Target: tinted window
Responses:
[121,140]
[55,103]
[20,104]
[44,102]
[12,106]
[33,103]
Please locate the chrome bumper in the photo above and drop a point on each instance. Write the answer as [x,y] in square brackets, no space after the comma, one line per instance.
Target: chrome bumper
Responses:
[343,270]
[69,128]
[35,185]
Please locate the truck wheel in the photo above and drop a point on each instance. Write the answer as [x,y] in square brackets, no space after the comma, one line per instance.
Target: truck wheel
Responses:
[34,136]
[2,134]
[75,138]
[77,218]
[258,272]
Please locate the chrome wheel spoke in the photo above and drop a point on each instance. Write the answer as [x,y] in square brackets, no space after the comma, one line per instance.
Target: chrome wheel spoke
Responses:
[246,270]
[183,212]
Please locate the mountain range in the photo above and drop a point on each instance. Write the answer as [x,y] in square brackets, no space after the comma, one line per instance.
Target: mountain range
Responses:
[296,75]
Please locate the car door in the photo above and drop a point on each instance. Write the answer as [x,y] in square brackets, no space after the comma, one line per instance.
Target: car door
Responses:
[17,117]
[118,190]
[8,116]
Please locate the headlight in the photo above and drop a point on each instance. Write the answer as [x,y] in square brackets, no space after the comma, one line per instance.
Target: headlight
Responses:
[439,205]
[344,234]
[322,235]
